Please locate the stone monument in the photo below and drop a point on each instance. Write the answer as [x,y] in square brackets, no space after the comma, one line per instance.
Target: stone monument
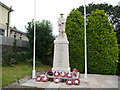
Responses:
[61,48]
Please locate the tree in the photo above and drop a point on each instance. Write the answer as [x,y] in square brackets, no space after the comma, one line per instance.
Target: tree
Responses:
[44,39]
[14,28]
[75,33]
[112,11]
[102,44]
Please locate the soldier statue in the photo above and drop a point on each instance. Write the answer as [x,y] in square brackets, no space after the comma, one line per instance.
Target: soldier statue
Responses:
[61,26]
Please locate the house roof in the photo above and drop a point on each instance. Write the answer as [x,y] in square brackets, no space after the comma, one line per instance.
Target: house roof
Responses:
[5,6]
[18,31]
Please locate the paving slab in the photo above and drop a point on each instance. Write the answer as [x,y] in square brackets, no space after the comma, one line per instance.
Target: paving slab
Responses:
[93,81]
[54,85]
[33,83]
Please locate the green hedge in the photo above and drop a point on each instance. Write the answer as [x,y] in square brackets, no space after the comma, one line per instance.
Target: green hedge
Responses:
[102,47]
[102,44]
[74,30]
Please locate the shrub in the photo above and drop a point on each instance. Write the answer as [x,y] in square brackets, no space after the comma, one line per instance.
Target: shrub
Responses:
[75,33]
[12,58]
[102,44]
[102,47]
[7,59]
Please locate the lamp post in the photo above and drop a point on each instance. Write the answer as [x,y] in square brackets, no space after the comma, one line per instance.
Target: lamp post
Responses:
[85,41]
[34,71]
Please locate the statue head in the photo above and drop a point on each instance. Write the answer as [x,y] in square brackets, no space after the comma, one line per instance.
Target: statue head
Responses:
[61,14]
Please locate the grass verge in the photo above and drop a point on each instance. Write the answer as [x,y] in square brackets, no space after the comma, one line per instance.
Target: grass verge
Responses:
[12,74]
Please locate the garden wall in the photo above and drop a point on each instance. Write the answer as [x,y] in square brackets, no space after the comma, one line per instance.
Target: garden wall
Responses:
[7,44]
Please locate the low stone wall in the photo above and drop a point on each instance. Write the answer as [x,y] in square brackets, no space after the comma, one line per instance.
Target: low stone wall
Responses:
[9,41]
[7,44]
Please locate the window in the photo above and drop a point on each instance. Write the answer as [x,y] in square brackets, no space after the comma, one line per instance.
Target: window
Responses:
[2,32]
[15,35]
[20,36]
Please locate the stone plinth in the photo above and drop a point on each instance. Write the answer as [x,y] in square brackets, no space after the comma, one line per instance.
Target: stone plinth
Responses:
[61,55]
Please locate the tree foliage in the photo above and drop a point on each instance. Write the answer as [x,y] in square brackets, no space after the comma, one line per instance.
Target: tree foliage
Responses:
[101,41]
[44,38]
[112,11]
[74,30]
[102,44]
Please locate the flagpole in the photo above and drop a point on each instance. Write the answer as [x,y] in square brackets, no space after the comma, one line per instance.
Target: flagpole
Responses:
[34,71]
[85,41]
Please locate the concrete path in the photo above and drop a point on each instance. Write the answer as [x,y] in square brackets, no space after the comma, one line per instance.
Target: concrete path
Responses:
[93,81]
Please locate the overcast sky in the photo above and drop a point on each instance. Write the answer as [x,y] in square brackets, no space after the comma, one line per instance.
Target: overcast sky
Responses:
[46,10]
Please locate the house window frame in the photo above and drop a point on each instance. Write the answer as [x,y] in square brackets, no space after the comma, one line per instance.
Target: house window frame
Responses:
[20,36]
[15,34]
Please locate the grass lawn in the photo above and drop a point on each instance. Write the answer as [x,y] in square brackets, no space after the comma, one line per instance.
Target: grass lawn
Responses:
[12,74]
